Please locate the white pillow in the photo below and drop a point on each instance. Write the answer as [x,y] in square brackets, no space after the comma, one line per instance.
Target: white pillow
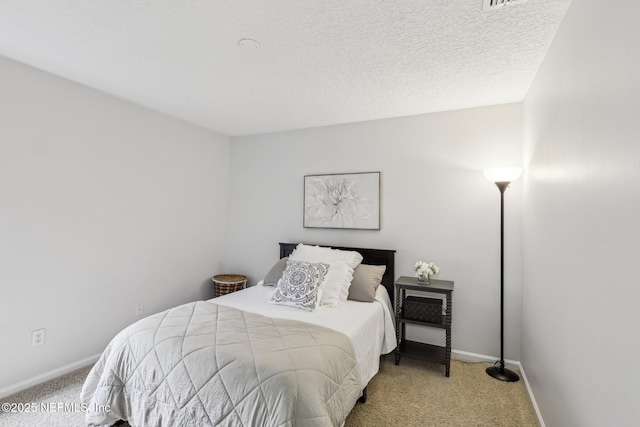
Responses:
[335,288]
[299,285]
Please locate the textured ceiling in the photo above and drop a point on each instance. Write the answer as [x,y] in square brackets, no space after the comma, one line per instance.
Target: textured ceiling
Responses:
[320,62]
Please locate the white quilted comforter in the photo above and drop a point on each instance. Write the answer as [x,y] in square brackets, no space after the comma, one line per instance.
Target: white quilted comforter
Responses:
[202,364]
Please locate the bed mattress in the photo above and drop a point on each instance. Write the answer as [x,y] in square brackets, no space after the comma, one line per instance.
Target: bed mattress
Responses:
[369,326]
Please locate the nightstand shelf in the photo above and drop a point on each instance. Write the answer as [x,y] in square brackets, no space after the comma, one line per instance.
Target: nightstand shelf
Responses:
[418,350]
[441,325]
[422,351]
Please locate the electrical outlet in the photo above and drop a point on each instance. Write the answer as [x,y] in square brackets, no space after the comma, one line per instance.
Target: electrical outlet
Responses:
[37,337]
[139,309]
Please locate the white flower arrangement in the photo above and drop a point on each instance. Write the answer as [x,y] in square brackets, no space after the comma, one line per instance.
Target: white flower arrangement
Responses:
[426,269]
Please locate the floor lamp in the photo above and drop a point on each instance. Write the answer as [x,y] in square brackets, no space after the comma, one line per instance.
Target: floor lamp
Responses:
[502,177]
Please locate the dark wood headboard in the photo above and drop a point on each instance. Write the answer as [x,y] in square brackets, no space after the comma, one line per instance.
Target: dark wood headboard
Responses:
[369,256]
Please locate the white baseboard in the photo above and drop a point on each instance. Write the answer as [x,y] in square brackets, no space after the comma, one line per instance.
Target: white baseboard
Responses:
[533,399]
[465,356]
[39,379]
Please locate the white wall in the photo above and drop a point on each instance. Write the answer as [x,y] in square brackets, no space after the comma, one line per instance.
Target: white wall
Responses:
[103,204]
[581,224]
[436,204]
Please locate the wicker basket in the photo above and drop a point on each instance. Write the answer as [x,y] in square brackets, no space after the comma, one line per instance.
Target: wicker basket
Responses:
[423,309]
[226,283]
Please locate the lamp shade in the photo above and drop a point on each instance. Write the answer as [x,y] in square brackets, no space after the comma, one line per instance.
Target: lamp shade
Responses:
[509,174]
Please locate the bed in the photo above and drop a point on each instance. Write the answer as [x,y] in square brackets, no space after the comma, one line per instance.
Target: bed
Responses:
[237,360]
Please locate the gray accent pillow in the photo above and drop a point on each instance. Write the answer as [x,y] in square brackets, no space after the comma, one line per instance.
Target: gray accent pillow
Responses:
[366,279]
[272,277]
[299,284]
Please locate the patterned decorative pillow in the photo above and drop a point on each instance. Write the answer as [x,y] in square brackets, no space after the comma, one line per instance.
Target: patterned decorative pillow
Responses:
[341,265]
[299,284]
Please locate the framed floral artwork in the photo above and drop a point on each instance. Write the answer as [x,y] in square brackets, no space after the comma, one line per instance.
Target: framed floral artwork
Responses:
[348,201]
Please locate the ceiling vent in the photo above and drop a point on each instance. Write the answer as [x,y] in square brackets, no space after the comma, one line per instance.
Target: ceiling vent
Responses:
[495,4]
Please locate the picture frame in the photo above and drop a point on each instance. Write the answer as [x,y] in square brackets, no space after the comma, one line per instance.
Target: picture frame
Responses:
[342,201]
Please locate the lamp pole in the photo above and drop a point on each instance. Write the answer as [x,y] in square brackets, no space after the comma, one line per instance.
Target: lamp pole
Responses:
[498,370]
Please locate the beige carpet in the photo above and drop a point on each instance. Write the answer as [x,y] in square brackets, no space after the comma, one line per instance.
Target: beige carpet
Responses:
[417,393]
[412,394]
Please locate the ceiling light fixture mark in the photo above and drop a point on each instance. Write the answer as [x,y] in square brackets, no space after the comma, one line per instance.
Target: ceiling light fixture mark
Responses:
[249,43]
[494,4]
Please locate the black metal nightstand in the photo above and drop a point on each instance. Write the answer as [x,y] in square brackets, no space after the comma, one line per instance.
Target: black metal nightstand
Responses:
[429,352]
